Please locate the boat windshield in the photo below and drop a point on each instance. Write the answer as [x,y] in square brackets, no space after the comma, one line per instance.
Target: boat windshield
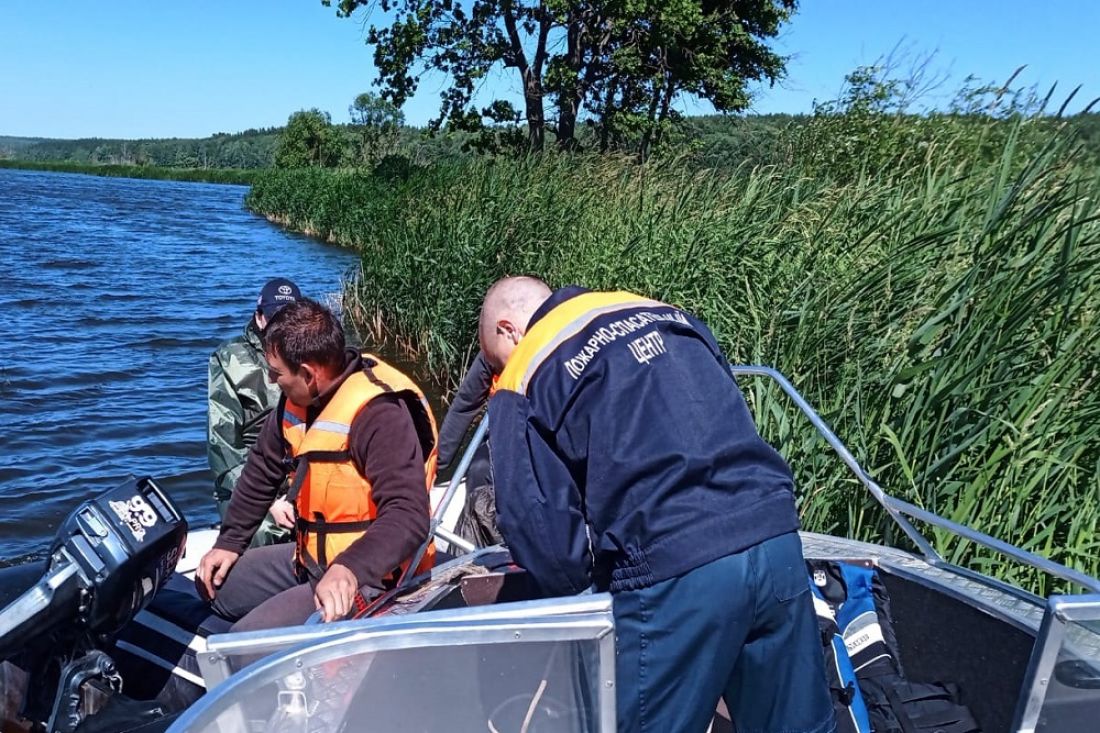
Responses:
[1062,692]
[437,671]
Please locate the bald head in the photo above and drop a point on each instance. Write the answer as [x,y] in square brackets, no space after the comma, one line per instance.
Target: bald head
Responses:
[505,313]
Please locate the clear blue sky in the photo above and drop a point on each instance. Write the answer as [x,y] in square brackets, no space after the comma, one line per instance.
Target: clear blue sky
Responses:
[125,68]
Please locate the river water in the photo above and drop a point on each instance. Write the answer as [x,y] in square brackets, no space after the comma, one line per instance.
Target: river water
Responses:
[115,293]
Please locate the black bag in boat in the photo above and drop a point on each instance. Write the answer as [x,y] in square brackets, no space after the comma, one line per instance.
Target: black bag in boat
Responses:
[855,598]
[896,705]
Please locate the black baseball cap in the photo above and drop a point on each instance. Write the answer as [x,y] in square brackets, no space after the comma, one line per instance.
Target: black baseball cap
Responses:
[275,294]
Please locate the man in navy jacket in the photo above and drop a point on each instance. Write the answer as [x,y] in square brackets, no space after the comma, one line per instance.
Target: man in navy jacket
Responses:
[625,458]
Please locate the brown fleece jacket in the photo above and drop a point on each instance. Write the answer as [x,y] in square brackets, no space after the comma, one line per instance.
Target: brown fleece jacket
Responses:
[384,449]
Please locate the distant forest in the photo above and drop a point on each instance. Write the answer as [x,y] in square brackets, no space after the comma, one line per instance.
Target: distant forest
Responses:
[248,149]
[713,141]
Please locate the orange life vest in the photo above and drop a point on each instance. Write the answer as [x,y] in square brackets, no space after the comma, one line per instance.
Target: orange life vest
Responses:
[332,498]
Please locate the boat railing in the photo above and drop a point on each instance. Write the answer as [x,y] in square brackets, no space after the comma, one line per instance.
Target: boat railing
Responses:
[435,525]
[902,511]
[1068,640]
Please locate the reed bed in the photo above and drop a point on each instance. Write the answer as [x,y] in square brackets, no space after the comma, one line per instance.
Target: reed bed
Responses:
[942,315]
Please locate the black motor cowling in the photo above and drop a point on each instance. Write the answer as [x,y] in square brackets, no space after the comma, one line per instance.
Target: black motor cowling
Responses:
[109,558]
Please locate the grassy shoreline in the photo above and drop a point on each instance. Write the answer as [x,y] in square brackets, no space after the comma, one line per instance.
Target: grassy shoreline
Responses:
[230,176]
[942,314]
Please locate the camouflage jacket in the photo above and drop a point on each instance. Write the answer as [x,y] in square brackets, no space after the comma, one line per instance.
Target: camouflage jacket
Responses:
[239,398]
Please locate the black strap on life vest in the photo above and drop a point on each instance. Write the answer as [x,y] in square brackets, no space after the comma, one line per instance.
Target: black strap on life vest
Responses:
[368,369]
[318,526]
[279,417]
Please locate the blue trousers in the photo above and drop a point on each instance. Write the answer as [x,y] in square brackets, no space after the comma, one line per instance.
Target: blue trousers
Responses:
[740,628]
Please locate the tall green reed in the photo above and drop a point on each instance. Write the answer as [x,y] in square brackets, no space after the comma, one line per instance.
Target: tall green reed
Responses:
[940,314]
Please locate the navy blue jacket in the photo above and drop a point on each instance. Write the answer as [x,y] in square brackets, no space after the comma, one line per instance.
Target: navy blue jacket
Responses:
[623,452]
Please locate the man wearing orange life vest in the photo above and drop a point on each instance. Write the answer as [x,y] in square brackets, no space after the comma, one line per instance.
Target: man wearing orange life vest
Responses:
[358,440]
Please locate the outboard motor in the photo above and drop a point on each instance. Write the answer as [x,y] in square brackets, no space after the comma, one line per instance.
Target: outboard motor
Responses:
[107,562]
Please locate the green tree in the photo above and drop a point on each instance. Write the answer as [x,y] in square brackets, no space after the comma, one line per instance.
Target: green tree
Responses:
[309,141]
[378,122]
[622,63]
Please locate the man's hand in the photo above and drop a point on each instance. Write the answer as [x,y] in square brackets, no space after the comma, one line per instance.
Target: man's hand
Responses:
[282,511]
[212,570]
[335,593]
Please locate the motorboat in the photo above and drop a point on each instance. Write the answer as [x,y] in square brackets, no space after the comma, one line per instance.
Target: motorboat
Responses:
[109,634]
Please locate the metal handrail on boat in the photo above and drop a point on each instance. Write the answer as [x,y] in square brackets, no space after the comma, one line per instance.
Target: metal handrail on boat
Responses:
[899,509]
[435,526]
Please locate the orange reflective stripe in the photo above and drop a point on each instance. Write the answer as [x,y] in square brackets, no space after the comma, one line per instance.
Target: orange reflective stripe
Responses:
[559,325]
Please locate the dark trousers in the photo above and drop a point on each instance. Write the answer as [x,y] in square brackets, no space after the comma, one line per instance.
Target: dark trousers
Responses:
[741,628]
[262,591]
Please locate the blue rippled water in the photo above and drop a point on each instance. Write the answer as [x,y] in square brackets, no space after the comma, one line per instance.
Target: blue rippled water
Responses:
[115,293]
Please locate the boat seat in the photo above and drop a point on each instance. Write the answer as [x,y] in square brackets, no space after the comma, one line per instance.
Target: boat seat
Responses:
[157,652]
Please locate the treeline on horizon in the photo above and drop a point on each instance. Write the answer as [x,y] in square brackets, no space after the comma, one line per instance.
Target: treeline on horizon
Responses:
[235,176]
[251,149]
[721,136]
[717,141]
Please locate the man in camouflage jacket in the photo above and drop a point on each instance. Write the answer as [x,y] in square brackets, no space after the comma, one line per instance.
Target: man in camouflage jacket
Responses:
[240,397]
